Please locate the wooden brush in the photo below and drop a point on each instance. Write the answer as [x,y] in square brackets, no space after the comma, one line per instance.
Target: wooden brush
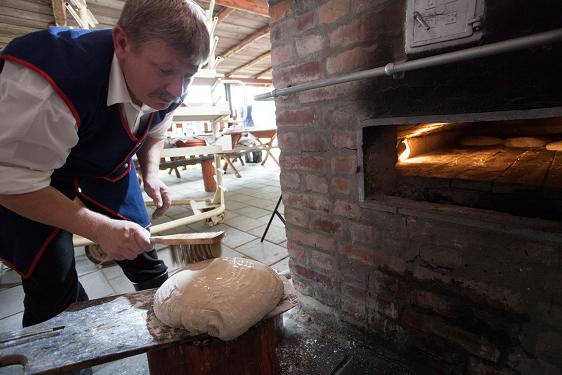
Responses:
[189,248]
[186,248]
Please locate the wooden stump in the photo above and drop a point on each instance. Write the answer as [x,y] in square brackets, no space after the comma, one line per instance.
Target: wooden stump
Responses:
[252,353]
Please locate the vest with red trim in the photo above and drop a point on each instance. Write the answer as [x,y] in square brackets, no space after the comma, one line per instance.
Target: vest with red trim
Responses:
[98,169]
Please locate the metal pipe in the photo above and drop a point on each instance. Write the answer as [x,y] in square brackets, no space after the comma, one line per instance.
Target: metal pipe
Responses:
[390,69]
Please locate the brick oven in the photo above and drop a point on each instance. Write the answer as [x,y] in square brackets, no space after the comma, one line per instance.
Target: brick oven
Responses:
[397,222]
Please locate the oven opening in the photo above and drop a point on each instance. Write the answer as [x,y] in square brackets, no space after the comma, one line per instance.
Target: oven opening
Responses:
[511,166]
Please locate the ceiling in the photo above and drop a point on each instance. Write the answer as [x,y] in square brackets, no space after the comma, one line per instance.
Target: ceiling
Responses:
[243,29]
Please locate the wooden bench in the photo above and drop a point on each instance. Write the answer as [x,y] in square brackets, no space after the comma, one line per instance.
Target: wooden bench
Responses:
[112,328]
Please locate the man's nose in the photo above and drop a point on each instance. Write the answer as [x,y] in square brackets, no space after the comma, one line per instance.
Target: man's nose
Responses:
[176,87]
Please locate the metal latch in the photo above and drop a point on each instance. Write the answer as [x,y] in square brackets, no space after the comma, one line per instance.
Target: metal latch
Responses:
[419,18]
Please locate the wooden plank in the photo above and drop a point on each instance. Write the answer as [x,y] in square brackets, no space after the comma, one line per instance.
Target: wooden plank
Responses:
[41,8]
[113,4]
[246,41]
[17,30]
[436,164]
[224,13]
[266,72]
[100,331]
[26,15]
[251,6]
[99,11]
[59,11]
[234,30]
[251,62]
[530,168]
[494,166]
[554,175]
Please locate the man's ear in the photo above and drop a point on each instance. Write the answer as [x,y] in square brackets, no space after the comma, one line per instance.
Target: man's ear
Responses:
[120,41]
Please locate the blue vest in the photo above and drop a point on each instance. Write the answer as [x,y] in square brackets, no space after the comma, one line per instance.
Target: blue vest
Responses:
[98,169]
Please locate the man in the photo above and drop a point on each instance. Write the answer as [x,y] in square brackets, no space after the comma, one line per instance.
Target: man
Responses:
[76,105]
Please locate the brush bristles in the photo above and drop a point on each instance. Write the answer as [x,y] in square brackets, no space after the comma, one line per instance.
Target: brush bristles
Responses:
[186,254]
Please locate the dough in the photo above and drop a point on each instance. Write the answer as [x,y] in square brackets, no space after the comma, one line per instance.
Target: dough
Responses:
[480,140]
[554,146]
[223,297]
[526,142]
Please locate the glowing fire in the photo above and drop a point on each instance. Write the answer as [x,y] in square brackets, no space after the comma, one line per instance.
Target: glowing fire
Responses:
[418,132]
[406,153]
[426,128]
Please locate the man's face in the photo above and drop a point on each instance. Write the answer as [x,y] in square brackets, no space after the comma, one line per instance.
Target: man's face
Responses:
[156,74]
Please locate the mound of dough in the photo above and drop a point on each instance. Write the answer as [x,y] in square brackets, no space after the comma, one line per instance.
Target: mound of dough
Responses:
[526,142]
[480,140]
[554,146]
[223,298]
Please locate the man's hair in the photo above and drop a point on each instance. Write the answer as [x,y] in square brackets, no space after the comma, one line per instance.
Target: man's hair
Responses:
[180,23]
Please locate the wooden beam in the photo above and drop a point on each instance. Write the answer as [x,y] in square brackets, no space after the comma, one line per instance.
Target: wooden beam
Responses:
[250,63]
[263,72]
[59,12]
[224,13]
[246,41]
[251,6]
[254,81]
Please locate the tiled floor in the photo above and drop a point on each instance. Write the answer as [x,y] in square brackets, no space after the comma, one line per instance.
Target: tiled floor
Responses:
[250,201]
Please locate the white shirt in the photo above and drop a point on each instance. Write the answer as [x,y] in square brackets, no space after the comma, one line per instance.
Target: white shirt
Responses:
[37,129]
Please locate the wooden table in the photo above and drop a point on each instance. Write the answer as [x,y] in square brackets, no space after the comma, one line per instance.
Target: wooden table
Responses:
[111,328]
[206,161]
[264,137]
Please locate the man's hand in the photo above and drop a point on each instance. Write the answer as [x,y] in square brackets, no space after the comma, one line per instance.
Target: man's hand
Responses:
[121,239]
[159,193]
[149,159]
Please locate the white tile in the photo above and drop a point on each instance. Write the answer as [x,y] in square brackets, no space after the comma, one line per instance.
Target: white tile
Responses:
[253,212]
[274,234]
[234,237]
[112,272]
[121,285]
[11,301]
[246,223]
[282,265]
[266,252]
[10,278]
[11,323]
[96,285]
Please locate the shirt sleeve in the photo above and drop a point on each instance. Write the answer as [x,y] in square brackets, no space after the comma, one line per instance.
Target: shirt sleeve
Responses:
[37,130]
[160,129]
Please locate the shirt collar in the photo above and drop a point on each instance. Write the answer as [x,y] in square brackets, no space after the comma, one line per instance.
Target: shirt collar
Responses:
[118,91]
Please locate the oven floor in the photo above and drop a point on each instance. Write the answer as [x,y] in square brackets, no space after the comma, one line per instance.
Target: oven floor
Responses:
[500,165]
[522,182]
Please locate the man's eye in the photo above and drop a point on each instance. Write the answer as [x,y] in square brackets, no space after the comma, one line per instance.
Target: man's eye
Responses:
[166,71]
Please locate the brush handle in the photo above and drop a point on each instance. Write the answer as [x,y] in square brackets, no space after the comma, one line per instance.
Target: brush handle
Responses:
[188,238]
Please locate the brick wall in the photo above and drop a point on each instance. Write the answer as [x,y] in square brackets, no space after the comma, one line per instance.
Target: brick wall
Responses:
[451,292]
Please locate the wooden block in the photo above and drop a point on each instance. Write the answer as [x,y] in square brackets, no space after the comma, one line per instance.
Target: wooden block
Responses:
[252,353]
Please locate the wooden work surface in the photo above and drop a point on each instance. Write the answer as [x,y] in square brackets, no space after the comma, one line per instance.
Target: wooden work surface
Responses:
[492,164]
[100,331]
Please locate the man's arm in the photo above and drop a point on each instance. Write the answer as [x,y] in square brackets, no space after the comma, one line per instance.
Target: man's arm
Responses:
[120,239]
[149,160]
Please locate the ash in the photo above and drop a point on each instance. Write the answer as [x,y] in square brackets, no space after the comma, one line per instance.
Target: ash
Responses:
[310,346]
